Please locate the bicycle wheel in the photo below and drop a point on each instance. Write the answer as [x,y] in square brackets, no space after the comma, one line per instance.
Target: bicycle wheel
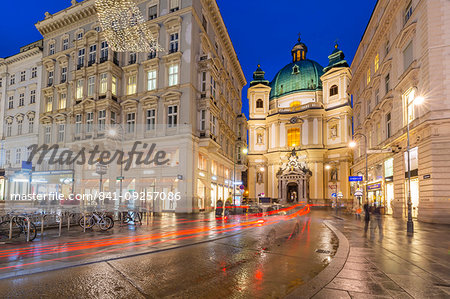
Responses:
[89,221]
[5,227]
[4,230]
[105,223]
[111,223]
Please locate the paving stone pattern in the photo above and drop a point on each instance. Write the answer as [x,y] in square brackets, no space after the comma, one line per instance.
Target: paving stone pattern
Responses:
[392,265]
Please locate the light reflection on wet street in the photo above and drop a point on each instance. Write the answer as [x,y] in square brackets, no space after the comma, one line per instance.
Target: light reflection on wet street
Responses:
[192,257]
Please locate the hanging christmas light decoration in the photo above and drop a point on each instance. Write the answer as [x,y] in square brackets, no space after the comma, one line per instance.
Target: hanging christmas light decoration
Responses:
[124,26]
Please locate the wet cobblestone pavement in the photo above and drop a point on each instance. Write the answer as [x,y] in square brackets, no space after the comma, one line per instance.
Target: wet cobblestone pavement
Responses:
[393,265]
[254,261]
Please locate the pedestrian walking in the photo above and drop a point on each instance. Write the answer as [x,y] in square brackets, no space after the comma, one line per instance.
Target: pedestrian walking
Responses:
[377,223]
[366,218]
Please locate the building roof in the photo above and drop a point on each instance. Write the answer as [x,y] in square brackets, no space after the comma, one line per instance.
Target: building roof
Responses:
[336,59]
[303,75]
[258,77]
[300,75]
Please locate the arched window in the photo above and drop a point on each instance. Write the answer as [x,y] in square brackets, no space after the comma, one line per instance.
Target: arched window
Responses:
[259,103]
[293,137]
[333,90]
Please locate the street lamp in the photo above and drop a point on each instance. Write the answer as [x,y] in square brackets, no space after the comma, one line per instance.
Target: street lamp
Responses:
[352,145]
[410,224]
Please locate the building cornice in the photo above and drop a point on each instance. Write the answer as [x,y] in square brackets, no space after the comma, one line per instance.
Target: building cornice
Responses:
[23,55]
[222,31]
[75,13]
[360,65]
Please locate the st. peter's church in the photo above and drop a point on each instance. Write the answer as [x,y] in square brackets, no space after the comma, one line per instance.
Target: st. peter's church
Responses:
[300,126]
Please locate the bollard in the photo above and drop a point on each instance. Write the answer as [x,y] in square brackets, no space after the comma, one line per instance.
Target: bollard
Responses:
[28,228]
[10,227]
[68,222]
[60,225]
[42,225]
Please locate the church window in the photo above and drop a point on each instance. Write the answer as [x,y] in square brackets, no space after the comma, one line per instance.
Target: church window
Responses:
[377,62]
[333,90]
[293,137]
[295,104]
[259,103]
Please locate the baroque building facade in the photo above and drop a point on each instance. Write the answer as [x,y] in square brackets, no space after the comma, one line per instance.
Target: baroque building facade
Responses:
[402,60]
[20,90]
[299,128]
[185,99]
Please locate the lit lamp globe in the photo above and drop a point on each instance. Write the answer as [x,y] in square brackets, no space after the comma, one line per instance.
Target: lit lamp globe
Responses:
[419,100]
[352,144]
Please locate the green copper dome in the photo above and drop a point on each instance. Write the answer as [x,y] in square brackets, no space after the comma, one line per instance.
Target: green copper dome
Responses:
[300,75]
[303,75]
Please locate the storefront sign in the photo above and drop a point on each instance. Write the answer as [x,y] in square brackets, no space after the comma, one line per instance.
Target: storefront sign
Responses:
[427,176]
[374,186]
[355,178]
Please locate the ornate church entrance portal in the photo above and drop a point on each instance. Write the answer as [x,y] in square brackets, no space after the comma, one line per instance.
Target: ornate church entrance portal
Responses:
[292,192]
[293,181]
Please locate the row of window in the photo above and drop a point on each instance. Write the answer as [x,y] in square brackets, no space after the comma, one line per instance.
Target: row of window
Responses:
[87,125]
[22,77]
[20,154]
[21,99]
[19,126]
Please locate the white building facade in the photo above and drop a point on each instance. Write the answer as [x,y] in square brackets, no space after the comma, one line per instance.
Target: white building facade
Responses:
[20,89]
[402,60]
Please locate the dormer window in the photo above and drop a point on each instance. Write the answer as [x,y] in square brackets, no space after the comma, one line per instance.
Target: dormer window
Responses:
[259,103]
[333,90]
[295,70]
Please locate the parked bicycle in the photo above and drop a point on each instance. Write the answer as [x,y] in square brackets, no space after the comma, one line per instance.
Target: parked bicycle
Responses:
[101,219]
[17,225]
[131,217]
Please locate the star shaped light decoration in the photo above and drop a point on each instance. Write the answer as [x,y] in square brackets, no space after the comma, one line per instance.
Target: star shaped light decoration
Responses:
[124,26]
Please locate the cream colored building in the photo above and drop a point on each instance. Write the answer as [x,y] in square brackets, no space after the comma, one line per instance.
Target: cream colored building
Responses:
[299,128]
[403,58]
[186,99]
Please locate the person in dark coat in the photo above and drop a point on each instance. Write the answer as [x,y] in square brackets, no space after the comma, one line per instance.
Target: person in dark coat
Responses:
[378,223]
[366,218]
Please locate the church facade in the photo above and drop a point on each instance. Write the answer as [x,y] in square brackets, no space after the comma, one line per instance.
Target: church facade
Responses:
[300,126]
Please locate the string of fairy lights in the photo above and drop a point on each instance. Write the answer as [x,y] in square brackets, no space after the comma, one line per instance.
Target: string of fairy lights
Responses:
[124,26]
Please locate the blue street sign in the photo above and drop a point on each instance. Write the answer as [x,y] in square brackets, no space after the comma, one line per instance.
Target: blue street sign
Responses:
[333,194]
[355,178]
[27,165]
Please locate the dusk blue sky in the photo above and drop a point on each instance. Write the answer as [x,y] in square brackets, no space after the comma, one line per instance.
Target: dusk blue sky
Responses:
[262,31]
